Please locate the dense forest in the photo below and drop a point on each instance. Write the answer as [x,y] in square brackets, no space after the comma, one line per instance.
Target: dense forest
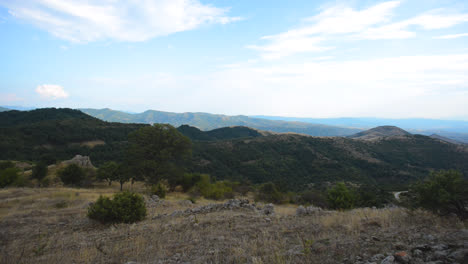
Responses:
[237,153]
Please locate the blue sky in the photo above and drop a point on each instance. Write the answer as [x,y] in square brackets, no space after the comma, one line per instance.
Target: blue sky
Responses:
[394,59]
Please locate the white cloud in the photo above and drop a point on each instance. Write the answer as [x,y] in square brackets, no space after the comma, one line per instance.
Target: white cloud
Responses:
[51,91]
[453,36]
[341,23]
[137,20]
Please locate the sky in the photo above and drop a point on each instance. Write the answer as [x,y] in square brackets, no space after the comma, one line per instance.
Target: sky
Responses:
[302,58]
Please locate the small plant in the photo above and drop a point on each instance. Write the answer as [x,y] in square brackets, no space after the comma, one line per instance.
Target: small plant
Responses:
[61,205]
[124,207]
[39,171]
[159,189]
[340,197]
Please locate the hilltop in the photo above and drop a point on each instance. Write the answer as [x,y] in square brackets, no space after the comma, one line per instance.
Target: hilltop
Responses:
[381,132]
[205,121]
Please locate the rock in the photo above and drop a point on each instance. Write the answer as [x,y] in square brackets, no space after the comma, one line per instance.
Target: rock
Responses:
[301,210]
[375,238]
[377,257]
[155,198]
[417,253]
[185,203]
[388,260]
[269,209]
[402,257]
[268,219]
[460,255]
[439,247]
[82,161]
[399,246]
[439,255]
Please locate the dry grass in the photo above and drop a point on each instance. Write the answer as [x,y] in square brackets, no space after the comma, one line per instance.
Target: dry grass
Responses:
[49,225]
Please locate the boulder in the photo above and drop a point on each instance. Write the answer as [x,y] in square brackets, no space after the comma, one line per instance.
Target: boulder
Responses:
[82,161]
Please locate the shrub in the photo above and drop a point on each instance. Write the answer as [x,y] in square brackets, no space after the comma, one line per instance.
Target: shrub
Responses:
[125,207]
[313,197]
[39,171]
[6,165]
[370,195]
[8,177]
[269,193]
[340,197]
[72,175]
[443,192]
[159,189]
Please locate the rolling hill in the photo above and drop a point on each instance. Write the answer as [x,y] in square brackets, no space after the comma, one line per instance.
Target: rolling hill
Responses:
[380,132]
[205,121]
[239,153]
[2,109]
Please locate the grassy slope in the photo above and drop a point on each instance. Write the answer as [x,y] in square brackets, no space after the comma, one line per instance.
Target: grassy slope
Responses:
[35,230]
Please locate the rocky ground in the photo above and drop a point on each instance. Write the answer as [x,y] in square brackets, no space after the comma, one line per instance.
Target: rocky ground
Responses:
[50,226]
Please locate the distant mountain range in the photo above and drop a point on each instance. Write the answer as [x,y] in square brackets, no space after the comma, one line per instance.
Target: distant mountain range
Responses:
[2,109]
[453,129]
[205,121]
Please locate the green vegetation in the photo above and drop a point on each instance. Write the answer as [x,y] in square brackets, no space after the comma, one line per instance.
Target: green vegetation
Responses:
[158,152]
[39,171]
[443,192]
[108,172]
[9,176]
[124,207]
[268,192]
[160,189]
[340,197]
[51,134]
[73,175]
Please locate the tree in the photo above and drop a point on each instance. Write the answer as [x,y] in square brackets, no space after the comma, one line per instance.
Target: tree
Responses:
[443,192]
[122,174]
[39,171]
[108,172]
[340,197]
[157,152]
[8,176]
[269,193]
[72,175]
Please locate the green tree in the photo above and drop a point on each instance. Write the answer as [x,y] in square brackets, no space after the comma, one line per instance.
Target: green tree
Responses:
[72,175]
[108,172]
[269,193]
[340,197]
[39,171]
[158,152]
[123,174]
[443,192]
[8,177]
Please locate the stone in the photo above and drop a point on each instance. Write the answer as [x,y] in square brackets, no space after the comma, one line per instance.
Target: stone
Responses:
[388,260]
[417,253]
[439,255]
[460,255]
[377,257]
[269,209]
[399,246]
[82,161]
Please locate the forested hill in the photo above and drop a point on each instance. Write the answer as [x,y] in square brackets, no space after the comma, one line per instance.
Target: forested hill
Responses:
[238,153]
[295,161]
[61,133]
[220,133]
[205,121]
[2,109]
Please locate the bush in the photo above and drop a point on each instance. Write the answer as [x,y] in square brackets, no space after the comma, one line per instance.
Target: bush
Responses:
[340,197]
[159,189]
[72,175]
[39,171]
[125,207]
[269,193]
[443,192]
[370,195]
[313,197]
[8,177]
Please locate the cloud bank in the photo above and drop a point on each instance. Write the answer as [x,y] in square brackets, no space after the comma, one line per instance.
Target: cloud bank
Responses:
[51,91]
[132,21]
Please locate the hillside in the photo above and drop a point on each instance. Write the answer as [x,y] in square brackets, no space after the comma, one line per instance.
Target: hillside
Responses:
[380,132]
[223,133]
[294,161]
[205,121]
[238,153]
[439,137]
[60,133]
[2,109]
